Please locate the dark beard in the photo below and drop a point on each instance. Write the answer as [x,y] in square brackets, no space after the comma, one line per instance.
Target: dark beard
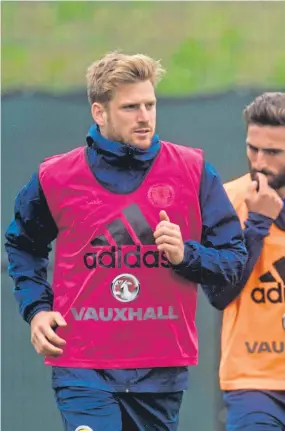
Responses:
[275,183]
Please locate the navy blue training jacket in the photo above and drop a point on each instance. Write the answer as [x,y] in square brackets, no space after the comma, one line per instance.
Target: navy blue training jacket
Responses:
[218,261]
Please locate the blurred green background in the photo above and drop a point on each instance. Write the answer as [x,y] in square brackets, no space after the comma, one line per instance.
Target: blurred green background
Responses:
[206,46]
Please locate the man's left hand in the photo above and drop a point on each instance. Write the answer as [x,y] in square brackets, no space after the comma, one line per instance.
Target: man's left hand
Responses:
[168,238]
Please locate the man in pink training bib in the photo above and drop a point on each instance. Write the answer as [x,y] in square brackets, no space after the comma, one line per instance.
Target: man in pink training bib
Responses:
[138,223]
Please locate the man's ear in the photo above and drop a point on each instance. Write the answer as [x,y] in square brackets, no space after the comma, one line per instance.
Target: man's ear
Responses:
[99,114]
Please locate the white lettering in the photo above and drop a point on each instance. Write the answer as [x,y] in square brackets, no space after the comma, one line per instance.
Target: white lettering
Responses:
[124,314]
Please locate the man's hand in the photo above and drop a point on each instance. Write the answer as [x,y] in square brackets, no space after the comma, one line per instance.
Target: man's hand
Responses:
[168,239]
[43,337]
[265,201]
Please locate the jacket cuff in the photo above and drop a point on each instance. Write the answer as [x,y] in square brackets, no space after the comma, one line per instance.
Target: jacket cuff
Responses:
[35,310]
[259,223]
[187,259]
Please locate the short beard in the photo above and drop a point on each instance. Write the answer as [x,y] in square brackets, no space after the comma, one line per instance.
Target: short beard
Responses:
[277,181]
[112,134]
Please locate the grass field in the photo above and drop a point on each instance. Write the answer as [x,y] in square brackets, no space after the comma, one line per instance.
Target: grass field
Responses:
[205,46]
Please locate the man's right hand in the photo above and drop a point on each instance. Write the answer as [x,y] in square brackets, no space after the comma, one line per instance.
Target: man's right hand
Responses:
[43,336]
[265,201]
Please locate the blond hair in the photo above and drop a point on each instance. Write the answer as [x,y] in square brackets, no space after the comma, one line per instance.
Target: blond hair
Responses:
[266,110]
[116,69]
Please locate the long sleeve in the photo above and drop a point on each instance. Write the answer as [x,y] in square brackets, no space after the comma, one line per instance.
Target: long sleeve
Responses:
[221,256]
[28,243]
[256,229]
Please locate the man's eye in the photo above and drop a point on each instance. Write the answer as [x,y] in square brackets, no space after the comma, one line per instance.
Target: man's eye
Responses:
[272,152]
[253,149]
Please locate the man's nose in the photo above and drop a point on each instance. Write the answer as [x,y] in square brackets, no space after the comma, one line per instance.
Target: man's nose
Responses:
[260,161]
[143,115]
